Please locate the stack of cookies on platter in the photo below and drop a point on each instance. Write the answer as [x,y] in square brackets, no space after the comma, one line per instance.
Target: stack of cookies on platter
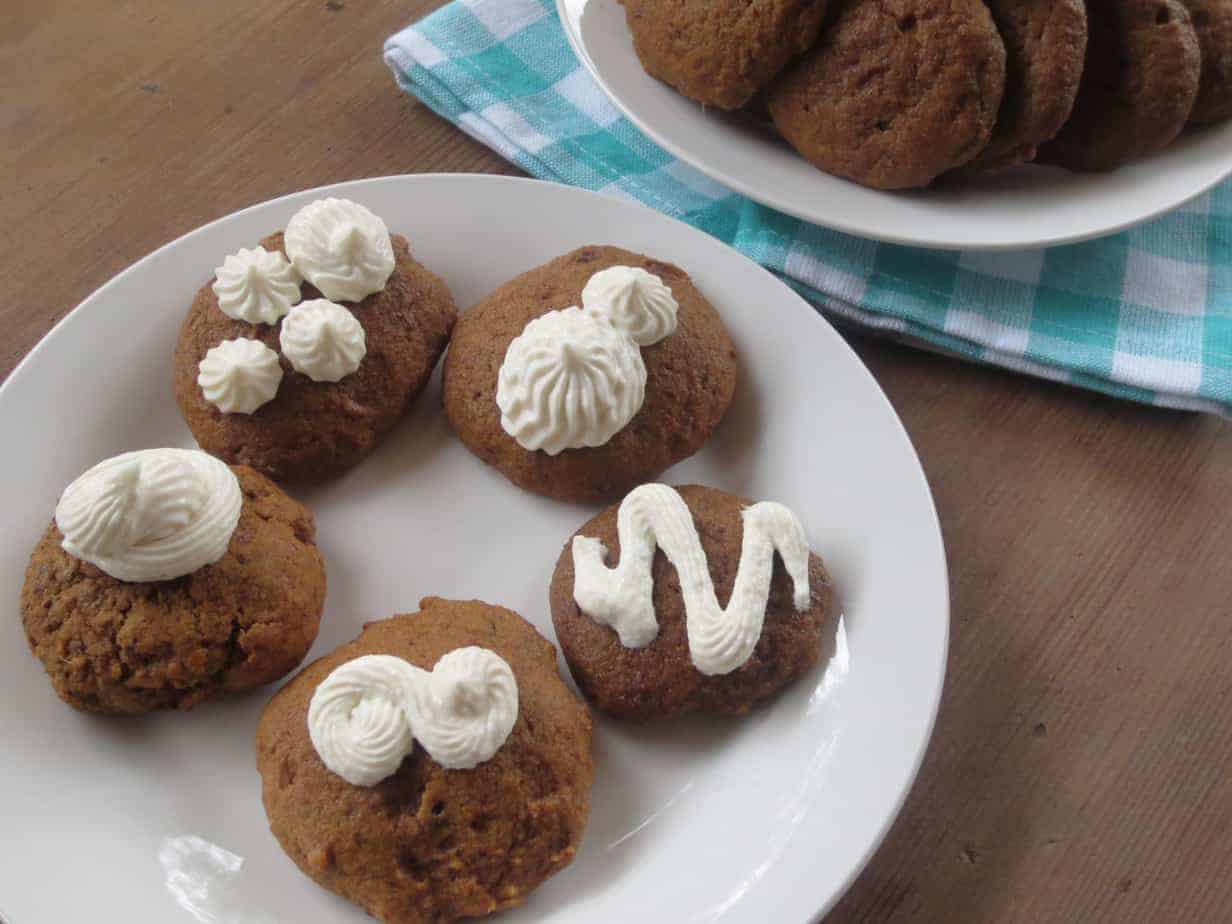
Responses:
[438,766]
[895,94]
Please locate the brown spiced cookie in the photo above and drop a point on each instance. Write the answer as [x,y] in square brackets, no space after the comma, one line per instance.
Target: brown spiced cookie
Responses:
[409,840]
[293,384]
[1138,87]
[1045,46]
[639,649]
[896,92]
[582,403]
[721,52]
[1212,20]
[220,584]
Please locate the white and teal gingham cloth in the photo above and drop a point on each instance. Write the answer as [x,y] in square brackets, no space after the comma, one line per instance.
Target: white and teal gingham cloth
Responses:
[1144,315]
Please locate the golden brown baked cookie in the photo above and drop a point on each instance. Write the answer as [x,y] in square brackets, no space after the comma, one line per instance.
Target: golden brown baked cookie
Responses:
[125,648]
[660,680]
[721,52]
[1045,46]
[691,378]
[1212,20]
[311,430]
[1138,87]
[896,92]
[429,844]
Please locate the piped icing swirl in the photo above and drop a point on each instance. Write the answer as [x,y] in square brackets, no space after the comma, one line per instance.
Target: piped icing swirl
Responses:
[151,515]
[240,375]
[568,381]
[322,340]
[341,248]
[655,516]
[366,715]
[256,286]
[634,301]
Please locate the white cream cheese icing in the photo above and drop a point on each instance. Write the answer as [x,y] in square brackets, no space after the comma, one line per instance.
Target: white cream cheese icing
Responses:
[366,715]
[633,300]
[238,376]
[151,515]
[256,286]
[322,340]
[569,380]
[341,248]
[656,516]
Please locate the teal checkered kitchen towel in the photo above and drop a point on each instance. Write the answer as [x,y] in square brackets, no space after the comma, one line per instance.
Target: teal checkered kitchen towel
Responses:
[1145,315]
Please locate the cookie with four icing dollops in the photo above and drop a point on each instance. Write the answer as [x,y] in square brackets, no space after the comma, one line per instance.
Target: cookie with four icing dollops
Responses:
[593,373]
[168,577]
[304,351]
[435,768]
[688,599]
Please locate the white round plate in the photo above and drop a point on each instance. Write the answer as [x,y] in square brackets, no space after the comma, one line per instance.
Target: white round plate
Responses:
[1021,208]
[762,819]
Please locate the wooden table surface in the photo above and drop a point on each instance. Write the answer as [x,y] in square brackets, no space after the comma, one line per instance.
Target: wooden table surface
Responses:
[1082,763]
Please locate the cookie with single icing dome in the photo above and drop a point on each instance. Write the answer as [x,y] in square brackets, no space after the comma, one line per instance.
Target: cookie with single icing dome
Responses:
[428,843]
[690,378]
[1138,87]
[1045,45]
[1212,20]
[896,92]
[313,430]
[661,679]
[721,52]
[124,648]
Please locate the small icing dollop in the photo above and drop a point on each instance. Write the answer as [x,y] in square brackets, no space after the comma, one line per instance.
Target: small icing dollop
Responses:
[568,381]
[366,715]
[151,515]
[656,516]
[256,286]
[634,300]
[341,248]
[238,376]
[322,340]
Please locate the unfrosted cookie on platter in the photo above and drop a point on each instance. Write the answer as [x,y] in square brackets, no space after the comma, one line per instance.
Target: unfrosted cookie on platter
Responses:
[1138,88]
[167,578]
[304,351]
[896,92]
[1045,45]
[689,599]
[590,374]
[435,768]
[1212,20]
[721,52]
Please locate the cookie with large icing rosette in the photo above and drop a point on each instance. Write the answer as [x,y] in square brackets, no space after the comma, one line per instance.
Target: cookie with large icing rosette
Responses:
[689,599]
[1139,84]
[167,578]
[435,768]
[589,374]
[303,352]
[721,52]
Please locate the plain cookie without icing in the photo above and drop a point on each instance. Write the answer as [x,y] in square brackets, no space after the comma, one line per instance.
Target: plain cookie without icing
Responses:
[1212,20]
[896,92]
[429,844]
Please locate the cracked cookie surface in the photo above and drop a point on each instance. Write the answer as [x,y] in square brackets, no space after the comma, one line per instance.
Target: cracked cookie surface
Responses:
[427,843]
[311,430]
[117,647]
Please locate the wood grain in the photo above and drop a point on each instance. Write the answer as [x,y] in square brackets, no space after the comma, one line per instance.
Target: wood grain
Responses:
[1080,766]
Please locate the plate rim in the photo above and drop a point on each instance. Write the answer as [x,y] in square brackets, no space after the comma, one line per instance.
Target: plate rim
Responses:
[785,205]
[823,904]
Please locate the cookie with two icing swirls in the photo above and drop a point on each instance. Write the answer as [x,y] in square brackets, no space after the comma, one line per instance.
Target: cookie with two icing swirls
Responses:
[426,841]
[301,380]
[168,577]
[562,421]
[740,610]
